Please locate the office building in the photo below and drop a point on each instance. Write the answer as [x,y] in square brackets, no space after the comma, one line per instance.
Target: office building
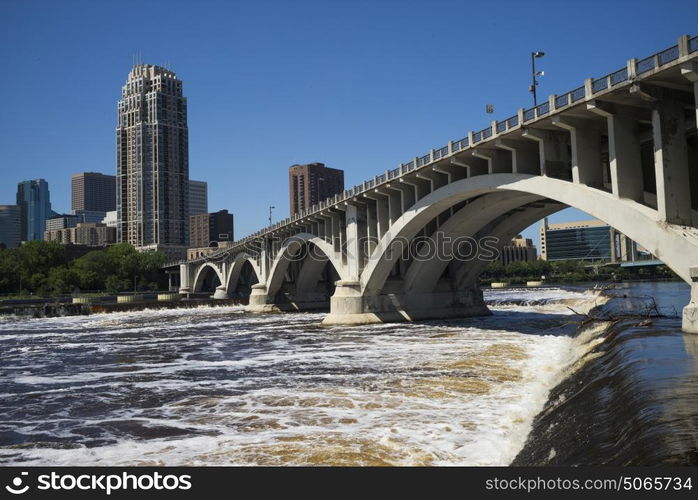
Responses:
[92,191]
[88,234]
[61,221]
[583,240]
[10,226]
[518,250]
[152,162]
[312,183]
[198,198]
[210,228]
[34,202]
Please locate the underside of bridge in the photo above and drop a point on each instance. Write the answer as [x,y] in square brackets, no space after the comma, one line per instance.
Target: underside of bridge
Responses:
[411,243]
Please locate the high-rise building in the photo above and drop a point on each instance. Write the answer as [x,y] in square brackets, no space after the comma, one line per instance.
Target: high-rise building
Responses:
[93,191]
[35,205]
[208,228]
[312,183]
[152,162]
[519,249]
[10,226]
[198,197]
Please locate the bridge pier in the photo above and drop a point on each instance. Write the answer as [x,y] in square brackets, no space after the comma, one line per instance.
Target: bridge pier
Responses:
[690,312]
[259,300]
[221,292]
[349,307]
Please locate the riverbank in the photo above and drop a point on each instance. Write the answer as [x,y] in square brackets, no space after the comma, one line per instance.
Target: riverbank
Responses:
[48,308]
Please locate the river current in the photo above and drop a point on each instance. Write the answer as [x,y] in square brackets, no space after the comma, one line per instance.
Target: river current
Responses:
[218,386]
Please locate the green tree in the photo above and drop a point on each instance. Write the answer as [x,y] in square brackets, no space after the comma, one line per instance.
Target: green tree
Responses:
[62,280]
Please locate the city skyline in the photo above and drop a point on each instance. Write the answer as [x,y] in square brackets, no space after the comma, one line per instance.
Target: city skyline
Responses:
[338,114]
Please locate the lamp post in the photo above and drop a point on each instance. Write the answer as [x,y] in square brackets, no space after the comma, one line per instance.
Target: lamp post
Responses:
[534,74]
[271,207]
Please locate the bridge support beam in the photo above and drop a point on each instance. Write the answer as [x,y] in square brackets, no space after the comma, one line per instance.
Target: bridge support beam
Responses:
[690,312]
[671,162]
[349,307]
[623,150]
[185,278]
[552,152]
[585,140]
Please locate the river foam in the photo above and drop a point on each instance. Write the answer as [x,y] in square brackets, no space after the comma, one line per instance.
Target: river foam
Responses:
[217,386]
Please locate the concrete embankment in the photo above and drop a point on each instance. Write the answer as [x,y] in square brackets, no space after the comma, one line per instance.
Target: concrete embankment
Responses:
[65,307]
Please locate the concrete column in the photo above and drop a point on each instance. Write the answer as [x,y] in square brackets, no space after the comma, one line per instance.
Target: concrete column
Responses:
[477,166]
[336,231]
[524,155]
[614,256]
[394,206]
[371,228]
[690,312]
[407,194]
[552,151]
[671,162]
[585,139]
[352,248]
[690,71]
[623,151]
[185,279]
[498,161]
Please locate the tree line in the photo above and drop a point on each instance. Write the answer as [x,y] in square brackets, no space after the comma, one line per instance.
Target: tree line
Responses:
[569,271]
[44,268]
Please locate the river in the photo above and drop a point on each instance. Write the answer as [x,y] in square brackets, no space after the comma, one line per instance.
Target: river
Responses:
[218,386]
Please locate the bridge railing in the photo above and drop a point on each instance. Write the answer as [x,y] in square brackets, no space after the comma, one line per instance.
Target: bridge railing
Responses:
[597,85]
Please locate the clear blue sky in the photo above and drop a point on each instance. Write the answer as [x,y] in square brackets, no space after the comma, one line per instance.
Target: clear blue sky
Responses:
[358,85]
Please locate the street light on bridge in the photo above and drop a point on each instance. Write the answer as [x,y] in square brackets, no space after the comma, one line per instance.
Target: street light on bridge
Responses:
[270,209]
[534,74]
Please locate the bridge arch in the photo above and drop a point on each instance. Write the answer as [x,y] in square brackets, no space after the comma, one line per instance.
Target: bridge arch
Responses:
[208,273]
[677,246]
[236,268]
[322,253]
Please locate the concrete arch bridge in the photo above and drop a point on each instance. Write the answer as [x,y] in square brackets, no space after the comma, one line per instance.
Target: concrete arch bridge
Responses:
[410,243]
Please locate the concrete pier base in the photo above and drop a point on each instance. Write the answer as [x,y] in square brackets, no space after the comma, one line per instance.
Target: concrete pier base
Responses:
[220,293]
[348,307]
[259,300]
[689,323]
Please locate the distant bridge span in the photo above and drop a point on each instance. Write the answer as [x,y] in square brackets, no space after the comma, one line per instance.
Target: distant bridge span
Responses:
[410,243]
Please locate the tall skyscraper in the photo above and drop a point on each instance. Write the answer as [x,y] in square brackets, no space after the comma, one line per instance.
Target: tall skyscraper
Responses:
[198,198]
[10,225]
[311,183]
[35,206]
[94,192]
[152,161]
